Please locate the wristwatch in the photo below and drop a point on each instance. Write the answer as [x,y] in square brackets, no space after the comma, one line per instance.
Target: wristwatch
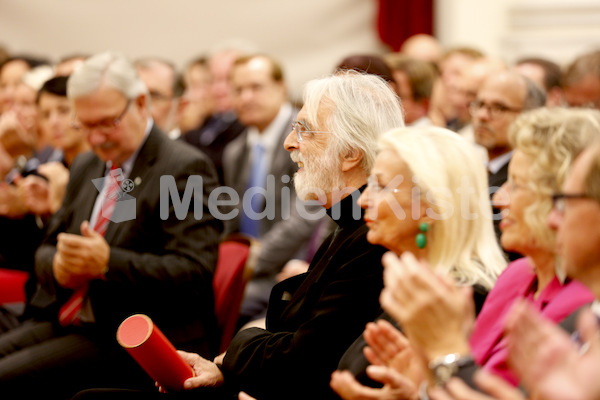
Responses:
[443,368]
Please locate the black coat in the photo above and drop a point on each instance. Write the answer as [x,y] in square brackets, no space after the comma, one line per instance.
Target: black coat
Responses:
[312,318]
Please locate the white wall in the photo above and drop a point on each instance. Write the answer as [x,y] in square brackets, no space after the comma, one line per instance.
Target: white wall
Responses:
[309,37]
[556,29]
[473,23]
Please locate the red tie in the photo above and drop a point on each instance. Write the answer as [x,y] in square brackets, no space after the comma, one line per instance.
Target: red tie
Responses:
[69,313]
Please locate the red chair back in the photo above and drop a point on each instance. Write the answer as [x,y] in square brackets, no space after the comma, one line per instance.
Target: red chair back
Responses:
[229,282]
[12,285]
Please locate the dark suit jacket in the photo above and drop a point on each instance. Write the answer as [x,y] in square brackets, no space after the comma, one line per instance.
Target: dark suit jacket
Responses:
[162,268]
[498,179]
[213,136]
[312,318]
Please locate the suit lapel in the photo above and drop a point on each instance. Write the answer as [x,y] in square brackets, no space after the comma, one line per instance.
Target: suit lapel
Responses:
[239,162]
[498,179]
[140,174]
[85,206]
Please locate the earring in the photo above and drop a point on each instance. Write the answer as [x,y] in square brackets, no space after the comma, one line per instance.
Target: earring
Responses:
[421,238]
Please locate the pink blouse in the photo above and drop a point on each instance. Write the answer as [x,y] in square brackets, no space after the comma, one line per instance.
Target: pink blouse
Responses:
[555,302]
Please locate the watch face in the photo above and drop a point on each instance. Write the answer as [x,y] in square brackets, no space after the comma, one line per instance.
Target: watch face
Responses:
[444,372]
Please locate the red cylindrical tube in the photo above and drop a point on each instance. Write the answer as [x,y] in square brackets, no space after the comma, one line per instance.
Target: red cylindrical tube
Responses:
[153,352]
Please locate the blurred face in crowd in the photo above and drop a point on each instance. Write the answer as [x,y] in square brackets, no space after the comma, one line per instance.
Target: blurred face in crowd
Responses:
[499,102]
[10,77]
[257,96]
[220,68]
[451,68]
[55,121]
[198,96]
[585,93]
[114,125]
[413,110]
[554,96]
[159,79]
[469,82]
[25,107]
[533,72]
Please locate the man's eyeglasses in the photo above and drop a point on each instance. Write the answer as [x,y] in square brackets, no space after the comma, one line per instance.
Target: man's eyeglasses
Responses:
[105,127]
[495,109]
[301,130]
[558,199]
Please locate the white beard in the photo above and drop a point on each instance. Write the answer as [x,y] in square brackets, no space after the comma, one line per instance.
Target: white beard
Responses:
[319,176]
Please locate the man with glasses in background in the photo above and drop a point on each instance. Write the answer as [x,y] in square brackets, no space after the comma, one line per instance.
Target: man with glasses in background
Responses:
[500,99]
[104,259]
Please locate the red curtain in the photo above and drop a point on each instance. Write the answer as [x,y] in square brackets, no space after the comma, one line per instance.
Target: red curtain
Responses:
[397,20]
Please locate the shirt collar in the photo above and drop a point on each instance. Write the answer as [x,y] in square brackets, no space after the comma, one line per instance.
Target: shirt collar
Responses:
[497,163]
[272,133]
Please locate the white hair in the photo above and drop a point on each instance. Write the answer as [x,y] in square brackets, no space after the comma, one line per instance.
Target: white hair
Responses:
[109,69]
[452,180]
[362,107]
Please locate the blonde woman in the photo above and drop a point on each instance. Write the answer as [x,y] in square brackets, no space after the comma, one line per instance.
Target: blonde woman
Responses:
[428,195]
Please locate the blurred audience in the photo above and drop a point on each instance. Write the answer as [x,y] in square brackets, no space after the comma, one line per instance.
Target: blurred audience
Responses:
[452,64]
[197,80]
[68,64]
[414,79]
[581,81]
[546,74]
[165,87]
[422,47]
[226,102]
[11,74]
[222,126]
[370,64]
[468,84]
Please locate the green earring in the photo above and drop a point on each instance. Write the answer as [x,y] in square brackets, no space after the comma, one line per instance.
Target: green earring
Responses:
[421,238]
